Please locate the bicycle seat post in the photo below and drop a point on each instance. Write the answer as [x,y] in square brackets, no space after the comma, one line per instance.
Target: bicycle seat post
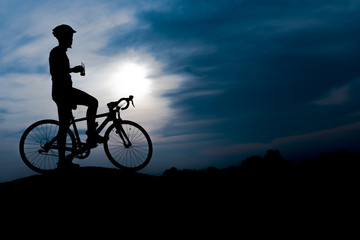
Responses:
[72,119]
[73,123]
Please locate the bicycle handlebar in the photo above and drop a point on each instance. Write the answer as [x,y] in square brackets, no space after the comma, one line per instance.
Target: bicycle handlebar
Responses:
[112,105]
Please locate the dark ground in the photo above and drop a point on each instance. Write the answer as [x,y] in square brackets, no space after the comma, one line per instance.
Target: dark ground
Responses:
[270,176]
[265,189]
[332,172]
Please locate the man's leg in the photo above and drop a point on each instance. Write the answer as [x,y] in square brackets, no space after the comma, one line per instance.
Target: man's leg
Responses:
[64,113]
[82,98]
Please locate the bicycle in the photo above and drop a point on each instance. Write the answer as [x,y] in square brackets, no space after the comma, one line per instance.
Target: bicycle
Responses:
[128,145]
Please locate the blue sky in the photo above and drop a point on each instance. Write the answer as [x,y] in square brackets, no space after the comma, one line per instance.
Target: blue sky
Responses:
[219,80]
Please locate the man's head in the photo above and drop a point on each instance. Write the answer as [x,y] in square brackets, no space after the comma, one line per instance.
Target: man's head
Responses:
[64,34]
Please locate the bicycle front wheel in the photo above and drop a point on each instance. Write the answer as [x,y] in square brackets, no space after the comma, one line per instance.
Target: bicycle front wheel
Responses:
[38,146]
[129,146]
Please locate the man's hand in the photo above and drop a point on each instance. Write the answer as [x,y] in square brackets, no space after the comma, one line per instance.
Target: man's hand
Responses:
[77,69]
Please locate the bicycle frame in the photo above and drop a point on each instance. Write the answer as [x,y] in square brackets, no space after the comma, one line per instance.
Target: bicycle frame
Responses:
[110,116]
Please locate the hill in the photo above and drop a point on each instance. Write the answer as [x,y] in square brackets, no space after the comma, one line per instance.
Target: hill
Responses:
[262,191]
[264,195]
[257,177]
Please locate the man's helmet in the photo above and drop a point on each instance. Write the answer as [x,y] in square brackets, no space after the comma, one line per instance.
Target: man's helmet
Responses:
[63,30]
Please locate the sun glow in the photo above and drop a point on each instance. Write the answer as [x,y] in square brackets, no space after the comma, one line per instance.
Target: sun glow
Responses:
[131,78]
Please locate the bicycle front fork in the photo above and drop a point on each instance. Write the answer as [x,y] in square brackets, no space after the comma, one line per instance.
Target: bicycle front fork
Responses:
[125,139]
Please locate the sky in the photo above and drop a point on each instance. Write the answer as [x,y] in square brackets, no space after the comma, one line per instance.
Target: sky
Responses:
[214,81]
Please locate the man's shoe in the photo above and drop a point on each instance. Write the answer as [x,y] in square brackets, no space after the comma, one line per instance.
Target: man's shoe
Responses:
[94,139]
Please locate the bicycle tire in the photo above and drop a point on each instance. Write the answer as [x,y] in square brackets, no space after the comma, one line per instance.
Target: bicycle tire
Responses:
[132,158]
[32,142]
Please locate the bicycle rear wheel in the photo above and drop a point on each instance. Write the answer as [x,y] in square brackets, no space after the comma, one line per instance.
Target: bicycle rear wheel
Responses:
[38,149]
[133,156]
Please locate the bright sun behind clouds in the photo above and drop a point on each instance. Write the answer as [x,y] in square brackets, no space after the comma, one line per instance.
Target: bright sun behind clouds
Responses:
[131,78]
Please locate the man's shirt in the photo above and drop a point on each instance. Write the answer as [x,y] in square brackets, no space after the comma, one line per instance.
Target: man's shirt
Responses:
[60,73]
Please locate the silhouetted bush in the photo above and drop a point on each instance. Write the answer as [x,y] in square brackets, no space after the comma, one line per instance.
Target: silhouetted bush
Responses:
[272,166]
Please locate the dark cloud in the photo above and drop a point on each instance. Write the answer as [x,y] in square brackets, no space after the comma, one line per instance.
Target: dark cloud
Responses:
[268,61]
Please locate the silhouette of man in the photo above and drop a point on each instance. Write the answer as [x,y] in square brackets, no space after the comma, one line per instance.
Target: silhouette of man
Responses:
[66,97]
